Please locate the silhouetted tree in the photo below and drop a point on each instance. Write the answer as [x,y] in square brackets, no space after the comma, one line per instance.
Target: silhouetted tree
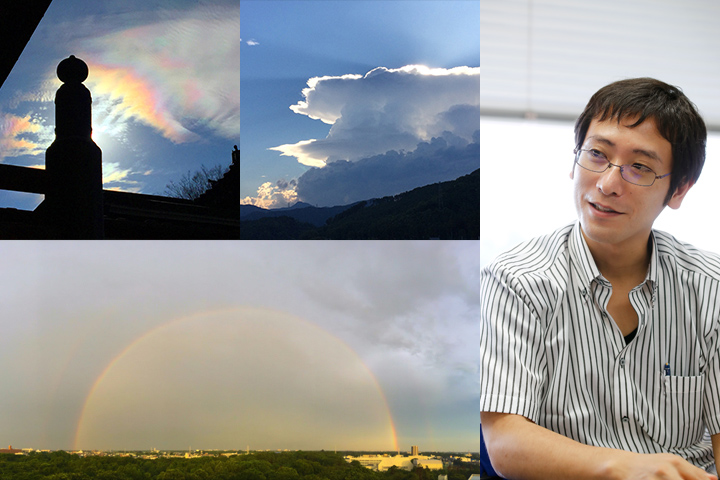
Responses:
[192,185]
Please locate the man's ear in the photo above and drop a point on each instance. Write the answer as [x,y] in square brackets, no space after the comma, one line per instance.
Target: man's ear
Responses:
[679,195]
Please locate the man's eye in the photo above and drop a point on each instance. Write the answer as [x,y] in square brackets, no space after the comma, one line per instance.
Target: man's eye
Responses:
[596,154]
[640,168]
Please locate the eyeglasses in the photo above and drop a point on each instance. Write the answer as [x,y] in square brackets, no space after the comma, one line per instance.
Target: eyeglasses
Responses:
[636,173]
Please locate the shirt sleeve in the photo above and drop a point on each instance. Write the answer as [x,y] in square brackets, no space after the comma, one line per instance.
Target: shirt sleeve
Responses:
[711,390]
[512,359]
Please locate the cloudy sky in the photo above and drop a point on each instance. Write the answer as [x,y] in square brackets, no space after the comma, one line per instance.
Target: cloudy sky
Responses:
[344,101]
[302,345]
[164,77]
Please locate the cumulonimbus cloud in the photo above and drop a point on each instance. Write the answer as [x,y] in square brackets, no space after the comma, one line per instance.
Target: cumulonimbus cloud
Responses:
[386,109]
[282,193]
[340,183]
[443,158]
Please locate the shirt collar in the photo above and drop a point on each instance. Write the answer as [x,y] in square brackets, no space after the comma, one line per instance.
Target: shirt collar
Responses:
[652,275]
[584,263]
[582,260]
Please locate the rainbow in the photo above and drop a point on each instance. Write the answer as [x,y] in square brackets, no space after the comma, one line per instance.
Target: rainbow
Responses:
[158,329]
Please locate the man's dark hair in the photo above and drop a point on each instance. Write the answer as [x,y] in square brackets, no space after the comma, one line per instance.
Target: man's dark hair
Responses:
[676,117]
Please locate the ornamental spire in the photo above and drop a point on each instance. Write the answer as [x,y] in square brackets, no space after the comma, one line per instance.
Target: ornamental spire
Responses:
[73,162]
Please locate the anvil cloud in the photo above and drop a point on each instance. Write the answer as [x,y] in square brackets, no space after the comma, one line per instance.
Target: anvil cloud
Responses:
[385,109]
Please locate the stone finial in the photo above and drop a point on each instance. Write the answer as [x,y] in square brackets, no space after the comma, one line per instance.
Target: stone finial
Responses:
[73,115]
[72,70]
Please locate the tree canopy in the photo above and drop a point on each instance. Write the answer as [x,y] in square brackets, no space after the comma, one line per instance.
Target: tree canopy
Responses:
[256,466]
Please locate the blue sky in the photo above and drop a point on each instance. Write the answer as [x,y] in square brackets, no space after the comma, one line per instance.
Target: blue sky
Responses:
[286,43]
[164,77]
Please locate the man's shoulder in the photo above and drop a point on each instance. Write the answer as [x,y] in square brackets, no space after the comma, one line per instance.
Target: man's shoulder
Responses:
[536,271]
[685,256]
[534,255]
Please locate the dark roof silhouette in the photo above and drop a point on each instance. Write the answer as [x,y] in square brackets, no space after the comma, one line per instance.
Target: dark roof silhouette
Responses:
[224,193]
[128,215]
[17,24]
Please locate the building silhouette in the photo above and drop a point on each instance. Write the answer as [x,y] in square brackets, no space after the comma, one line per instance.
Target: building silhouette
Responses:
[11,451]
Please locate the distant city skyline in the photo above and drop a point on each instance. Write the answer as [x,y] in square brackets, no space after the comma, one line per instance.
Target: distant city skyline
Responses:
[247,450]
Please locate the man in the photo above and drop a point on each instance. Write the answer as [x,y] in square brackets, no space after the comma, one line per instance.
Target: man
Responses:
[599,342]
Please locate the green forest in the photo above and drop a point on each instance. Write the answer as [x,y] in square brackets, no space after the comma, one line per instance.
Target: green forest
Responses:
[61,465]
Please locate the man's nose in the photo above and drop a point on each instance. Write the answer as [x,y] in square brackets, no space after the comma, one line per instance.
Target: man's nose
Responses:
[610,181]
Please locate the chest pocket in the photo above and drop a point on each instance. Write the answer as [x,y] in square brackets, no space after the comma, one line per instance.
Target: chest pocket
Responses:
[679,417]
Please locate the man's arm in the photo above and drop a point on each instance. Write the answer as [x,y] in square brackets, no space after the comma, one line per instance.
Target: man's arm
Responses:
[716,449]
[520,449]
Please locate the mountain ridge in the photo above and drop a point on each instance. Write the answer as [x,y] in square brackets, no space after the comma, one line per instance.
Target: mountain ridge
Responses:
[443,210]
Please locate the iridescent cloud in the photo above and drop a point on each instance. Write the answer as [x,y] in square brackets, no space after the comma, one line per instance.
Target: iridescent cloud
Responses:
[22,135]
[179,76]
[129,96]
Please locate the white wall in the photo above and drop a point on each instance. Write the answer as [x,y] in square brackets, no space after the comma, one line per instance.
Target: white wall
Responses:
[549,56]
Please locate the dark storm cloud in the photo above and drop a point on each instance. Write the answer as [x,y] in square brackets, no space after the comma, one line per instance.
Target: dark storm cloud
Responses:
[342,182]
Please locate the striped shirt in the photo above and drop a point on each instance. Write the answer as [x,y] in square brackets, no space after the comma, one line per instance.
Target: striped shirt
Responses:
[549,351]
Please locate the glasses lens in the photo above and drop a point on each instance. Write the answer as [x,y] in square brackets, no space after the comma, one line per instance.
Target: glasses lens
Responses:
[593,160]
[596,161]
[638,176]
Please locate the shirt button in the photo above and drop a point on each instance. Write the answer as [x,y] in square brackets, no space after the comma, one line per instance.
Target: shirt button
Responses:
[622,362]
[625,419]
[584,292]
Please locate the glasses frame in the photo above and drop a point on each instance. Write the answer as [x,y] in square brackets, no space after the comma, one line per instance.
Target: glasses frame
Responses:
[577,152]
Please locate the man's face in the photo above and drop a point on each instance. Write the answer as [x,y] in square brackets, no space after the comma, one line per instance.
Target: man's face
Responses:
[612,211]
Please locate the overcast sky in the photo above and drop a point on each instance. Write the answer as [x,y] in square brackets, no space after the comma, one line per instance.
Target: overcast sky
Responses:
[342,99]
[164,78]
[307,345]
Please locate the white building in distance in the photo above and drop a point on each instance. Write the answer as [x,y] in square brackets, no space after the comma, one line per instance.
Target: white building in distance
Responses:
[382,463]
